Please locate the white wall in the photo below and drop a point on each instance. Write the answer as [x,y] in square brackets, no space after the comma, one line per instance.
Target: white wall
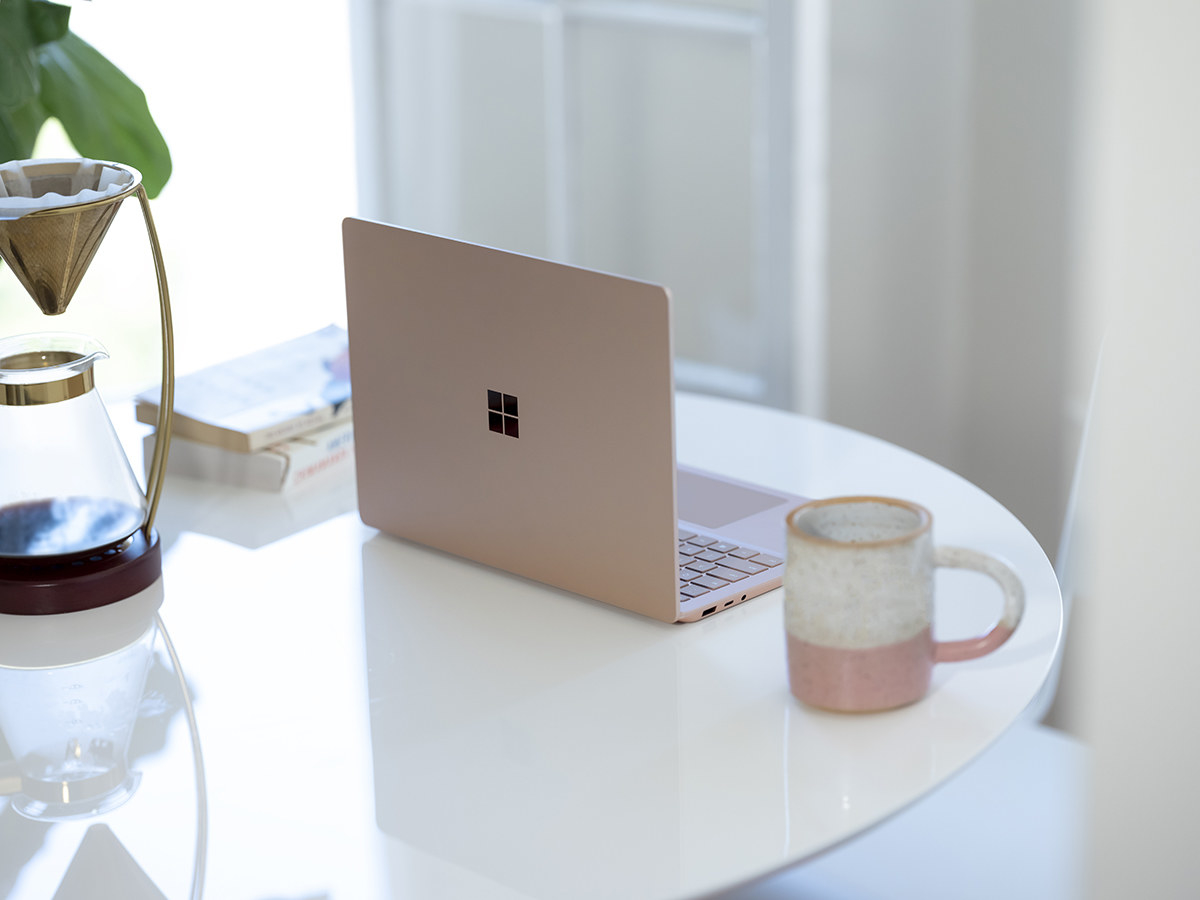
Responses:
[1138,621]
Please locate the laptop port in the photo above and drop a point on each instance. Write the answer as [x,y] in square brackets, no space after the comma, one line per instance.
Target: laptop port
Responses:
[709,611]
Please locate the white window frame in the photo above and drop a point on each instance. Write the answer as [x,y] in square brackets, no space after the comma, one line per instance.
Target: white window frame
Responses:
[789,40]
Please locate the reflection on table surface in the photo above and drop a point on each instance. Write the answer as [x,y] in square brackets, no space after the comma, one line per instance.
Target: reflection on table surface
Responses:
[382,720]
[91,730]
[630,752]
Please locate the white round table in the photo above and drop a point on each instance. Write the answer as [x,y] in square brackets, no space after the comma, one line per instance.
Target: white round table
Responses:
[381,720]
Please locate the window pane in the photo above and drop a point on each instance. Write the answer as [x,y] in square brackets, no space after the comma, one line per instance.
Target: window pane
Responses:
[629,136]
[664,124]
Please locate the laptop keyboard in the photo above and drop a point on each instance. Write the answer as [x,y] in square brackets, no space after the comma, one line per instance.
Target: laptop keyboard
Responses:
[707,563]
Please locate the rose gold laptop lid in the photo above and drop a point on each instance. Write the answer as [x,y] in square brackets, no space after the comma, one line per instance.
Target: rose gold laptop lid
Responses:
[520,413]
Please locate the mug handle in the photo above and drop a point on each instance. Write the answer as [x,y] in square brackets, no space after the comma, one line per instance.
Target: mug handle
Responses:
[1014,603]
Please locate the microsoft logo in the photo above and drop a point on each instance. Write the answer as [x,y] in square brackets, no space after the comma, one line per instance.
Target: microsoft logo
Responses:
[502,414]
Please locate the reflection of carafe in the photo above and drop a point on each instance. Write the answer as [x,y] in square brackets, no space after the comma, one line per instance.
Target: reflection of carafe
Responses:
[64,497]
[70,690]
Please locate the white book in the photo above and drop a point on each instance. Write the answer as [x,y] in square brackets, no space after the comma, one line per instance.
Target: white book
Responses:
[283,466]
[261,398]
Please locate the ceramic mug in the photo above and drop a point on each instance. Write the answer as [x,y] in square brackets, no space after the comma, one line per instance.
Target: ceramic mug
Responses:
[858,603]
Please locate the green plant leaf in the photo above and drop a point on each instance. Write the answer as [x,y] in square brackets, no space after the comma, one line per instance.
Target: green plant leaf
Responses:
[18,69]
[104,113]
[47,21]
[19,130]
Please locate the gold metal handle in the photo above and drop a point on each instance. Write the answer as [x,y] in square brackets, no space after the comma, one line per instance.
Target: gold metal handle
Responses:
[162,440]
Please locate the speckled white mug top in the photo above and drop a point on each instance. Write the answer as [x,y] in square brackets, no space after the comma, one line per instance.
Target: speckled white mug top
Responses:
[859,572]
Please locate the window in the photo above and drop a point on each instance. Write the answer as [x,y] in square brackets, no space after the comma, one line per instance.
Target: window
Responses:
[260,127]
[651,138]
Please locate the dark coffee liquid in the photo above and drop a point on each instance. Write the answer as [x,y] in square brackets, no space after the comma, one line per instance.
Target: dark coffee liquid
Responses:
[66,526]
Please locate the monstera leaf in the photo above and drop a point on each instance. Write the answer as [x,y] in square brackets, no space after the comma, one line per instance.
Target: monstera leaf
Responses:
[48,71]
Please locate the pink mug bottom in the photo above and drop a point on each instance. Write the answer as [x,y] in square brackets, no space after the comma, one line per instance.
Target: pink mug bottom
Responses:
[866,680]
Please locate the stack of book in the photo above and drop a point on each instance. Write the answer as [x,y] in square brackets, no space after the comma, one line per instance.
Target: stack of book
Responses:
[272,420]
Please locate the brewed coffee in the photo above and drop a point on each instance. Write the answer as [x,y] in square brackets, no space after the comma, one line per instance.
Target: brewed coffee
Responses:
[65,526]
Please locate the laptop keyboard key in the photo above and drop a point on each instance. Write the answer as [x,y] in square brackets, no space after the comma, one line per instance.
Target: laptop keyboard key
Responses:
[744,566]
[727,574]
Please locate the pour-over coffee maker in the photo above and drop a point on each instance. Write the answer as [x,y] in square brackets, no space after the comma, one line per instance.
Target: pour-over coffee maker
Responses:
[76,528]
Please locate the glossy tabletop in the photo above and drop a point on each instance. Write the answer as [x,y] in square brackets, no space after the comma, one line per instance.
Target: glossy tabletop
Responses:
[380,720]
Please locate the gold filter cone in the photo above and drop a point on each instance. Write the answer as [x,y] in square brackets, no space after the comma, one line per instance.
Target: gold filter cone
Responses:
[51,250]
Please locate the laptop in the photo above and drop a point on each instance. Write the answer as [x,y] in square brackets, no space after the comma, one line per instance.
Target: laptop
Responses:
[520,413]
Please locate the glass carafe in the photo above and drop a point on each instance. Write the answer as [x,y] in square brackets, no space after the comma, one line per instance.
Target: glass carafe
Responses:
[67,489]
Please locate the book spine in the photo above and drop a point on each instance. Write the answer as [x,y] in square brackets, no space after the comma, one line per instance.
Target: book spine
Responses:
[242,442]
[319,418]
[325,451]
[281,467]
